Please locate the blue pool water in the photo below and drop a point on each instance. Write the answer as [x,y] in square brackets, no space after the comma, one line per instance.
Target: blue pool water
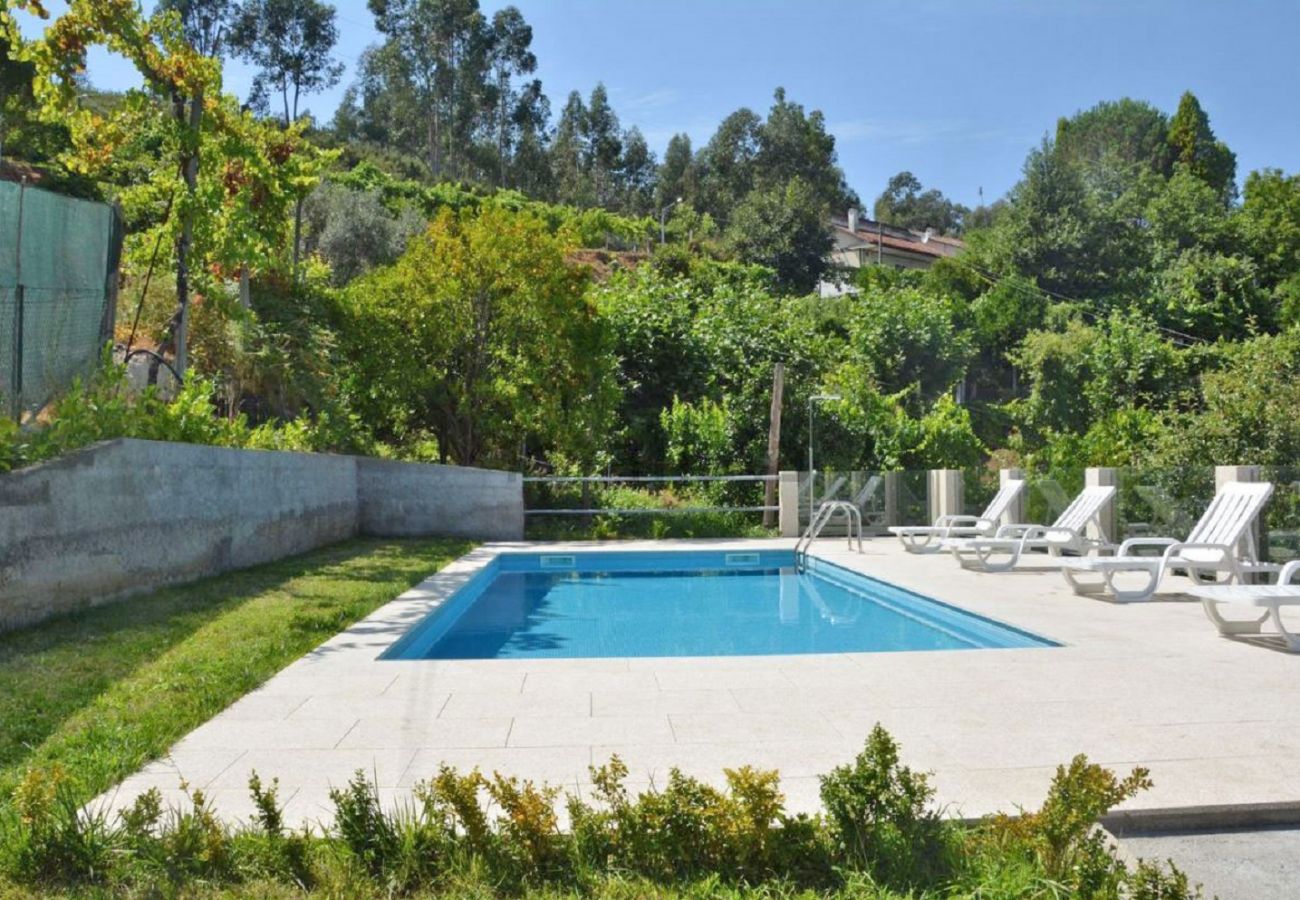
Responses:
[687,603]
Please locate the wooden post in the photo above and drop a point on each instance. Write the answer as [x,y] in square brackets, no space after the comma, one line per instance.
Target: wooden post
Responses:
[773,443]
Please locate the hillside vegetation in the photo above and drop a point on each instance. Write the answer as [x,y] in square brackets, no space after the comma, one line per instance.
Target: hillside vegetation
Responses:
[422,292]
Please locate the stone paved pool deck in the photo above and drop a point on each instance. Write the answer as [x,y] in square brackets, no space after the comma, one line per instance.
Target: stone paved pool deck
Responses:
[1216,721]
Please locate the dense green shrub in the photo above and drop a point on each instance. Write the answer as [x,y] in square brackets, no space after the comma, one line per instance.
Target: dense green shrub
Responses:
[103,407]
[467,834]
[881,817]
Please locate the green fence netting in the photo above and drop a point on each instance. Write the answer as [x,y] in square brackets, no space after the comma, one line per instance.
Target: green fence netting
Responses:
[58,284]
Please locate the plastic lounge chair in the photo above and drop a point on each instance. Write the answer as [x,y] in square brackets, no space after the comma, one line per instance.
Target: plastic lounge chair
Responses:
[1164,509]
[1268,597]
[1065,535]
[873,517]
[1211,548]
[928,538]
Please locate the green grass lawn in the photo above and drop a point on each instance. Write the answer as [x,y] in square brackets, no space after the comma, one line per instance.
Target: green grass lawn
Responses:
[102,692]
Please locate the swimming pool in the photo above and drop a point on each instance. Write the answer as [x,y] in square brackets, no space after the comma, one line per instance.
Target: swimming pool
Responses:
[687,603]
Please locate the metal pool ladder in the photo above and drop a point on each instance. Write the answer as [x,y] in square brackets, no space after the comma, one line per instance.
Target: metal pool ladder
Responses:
[825,512]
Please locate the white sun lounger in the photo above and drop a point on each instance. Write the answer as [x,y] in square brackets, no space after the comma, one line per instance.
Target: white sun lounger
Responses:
[1212,548]
[1267,597]
[928,538]
[1066,534]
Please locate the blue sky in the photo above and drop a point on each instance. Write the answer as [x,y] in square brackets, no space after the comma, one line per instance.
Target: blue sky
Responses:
[954,90]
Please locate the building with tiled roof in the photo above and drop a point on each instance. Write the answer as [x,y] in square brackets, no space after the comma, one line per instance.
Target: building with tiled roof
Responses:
[863,242]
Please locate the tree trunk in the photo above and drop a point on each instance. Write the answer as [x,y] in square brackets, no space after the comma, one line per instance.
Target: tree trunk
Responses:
[176,334]
[297,235]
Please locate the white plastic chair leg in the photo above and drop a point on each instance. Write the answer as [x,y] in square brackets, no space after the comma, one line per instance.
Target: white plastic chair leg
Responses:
[1291,639]
[1084,587]
[919,543]
[1133,595]
[1230,627]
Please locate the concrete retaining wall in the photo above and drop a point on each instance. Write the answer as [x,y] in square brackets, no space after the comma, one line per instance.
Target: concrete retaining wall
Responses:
[127,516]
[400,499]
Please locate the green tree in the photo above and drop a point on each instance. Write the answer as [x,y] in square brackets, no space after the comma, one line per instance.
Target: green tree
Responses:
[794,144]
[728,162]
[700,439]
[1086,372]
[905,204]
[1066,237]
[909,339]
[1115,142]
[354,232]
[290,42]
[748,153]
[1248,404]
[24,134]
[1269,220]
[236,176]
[677,176]
[784,228]
[481,334]
[1194,146]
[206,23]
[1213,295]
[568,154]
[636,175]
[603,145]
[1185,213]
[516,108]
[432,67]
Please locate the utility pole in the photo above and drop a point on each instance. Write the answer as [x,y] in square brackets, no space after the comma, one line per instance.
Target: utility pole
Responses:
[663,218]
[773,443]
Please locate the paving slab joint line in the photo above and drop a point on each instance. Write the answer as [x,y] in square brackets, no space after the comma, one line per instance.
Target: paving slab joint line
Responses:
[344,737]
[1208,817]
[224,770]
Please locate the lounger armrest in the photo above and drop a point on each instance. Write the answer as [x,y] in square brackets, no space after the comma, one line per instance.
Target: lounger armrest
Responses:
[1132,542]
[1021,531]
[957,521]
[1289,571]
[1178,547]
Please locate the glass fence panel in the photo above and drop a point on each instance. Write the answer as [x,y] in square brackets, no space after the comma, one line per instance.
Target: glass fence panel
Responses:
[644,506]
[978,488]
[1048,493]
[1161,502]
[1280,530]
[883,498]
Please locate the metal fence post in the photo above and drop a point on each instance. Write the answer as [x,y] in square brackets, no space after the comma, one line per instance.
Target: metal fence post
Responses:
[16,385]
[16,377]
[1107,518]
[1016,510]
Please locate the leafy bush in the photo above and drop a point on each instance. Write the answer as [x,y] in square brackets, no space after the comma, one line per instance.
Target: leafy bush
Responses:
[103,407]
[467,834]
[881,818]
[1062,842]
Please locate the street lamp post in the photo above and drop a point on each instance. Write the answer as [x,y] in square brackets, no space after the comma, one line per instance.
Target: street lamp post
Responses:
[812,471]
[663,214]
